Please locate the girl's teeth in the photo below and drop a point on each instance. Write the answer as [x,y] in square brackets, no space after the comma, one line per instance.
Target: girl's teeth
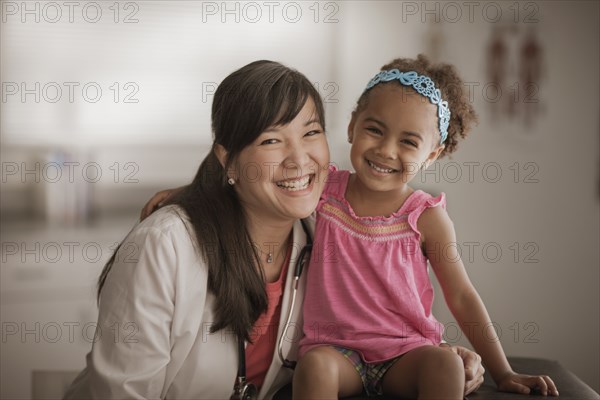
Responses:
[299,184]
[376,168]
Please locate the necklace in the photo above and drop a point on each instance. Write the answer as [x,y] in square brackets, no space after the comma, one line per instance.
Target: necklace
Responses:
[270,254]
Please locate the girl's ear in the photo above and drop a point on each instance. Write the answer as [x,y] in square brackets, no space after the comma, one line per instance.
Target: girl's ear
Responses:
[351,127]
[221,154]
[434,155]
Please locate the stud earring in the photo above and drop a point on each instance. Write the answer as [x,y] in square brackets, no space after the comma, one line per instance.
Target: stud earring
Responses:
[231,181]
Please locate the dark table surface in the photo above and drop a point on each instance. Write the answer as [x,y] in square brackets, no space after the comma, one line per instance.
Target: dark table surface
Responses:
[569,386]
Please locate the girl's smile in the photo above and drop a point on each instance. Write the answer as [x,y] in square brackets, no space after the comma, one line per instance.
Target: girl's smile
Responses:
[381,168]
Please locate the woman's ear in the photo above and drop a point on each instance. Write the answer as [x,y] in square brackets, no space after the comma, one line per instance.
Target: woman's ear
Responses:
[351,127]
[221,154]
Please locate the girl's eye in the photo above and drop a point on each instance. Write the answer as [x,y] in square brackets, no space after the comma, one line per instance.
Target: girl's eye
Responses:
[269,141]
[409,142]
[375,131]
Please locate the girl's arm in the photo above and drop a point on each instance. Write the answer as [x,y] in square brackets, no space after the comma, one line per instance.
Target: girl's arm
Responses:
[157,201]
[437,232]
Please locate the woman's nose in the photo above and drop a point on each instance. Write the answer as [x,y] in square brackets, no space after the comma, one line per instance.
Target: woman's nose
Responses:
[298,158]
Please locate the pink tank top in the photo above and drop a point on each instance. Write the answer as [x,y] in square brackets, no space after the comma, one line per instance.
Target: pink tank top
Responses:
[368,286]
[259,354]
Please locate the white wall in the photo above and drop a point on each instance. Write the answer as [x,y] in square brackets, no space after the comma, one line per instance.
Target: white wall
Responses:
[173,56]
[546,309]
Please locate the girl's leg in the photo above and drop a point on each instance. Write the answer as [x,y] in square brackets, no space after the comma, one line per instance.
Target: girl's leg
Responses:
[325,373]
[427,372]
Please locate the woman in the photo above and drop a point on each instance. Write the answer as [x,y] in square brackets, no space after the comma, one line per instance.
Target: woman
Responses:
[218,263]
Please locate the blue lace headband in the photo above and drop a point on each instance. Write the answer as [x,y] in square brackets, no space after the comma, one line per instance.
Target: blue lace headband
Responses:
[424,86]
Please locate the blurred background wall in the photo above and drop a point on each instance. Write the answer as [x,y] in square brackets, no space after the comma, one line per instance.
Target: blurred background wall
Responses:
[104,103]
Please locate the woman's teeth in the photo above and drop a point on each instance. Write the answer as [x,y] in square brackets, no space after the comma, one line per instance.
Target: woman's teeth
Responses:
[382,170]
[298,184]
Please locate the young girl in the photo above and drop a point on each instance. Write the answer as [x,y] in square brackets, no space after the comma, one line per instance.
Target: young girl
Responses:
[367,308]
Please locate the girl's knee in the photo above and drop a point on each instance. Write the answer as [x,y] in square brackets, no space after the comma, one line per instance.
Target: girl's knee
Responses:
[317,362]
[317,373]
[453,361]
[444,359]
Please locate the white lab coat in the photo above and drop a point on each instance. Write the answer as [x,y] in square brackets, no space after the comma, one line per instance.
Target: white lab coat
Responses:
[155,317]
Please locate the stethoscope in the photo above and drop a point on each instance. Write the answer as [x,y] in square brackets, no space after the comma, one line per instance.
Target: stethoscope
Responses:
[242,389]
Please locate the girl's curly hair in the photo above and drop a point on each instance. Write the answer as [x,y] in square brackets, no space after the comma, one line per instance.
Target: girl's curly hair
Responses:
[453,90]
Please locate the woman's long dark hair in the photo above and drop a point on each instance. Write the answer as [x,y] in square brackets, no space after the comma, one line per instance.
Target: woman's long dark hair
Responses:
[250,100]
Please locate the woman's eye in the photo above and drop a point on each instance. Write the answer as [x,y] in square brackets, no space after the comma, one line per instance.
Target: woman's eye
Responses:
[269,141]
[313,133]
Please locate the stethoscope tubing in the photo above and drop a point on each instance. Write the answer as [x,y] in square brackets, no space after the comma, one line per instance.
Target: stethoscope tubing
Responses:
[297,273]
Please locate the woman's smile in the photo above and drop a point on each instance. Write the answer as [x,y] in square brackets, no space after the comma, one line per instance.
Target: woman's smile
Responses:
[297,184]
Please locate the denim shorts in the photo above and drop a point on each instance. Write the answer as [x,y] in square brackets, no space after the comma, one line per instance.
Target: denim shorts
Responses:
[371,374]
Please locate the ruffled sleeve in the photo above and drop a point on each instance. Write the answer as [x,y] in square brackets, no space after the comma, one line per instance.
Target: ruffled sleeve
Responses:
[420,204]
[337,180]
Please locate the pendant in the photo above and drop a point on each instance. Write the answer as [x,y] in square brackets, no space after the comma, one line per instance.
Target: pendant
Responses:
[270,258]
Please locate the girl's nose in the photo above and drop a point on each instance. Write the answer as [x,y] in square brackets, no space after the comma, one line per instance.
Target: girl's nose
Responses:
[386,149]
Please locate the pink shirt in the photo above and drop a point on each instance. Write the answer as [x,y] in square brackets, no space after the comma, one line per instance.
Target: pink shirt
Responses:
[259,353]
[368,287]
